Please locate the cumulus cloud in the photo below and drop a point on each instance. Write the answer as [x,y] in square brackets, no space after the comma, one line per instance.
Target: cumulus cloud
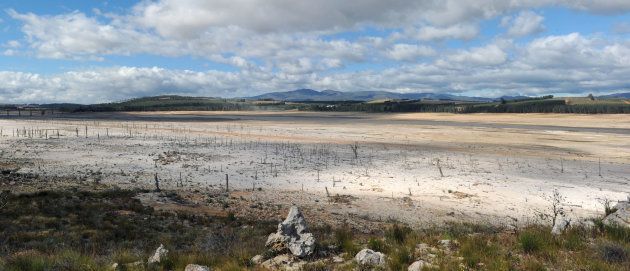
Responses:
[526,23]
[409,52]
[459,31]
[487,55]
[279,44]
[557,64]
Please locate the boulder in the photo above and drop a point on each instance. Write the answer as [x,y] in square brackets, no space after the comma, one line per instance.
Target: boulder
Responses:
[621,217]
[196,267]
[370,258]
[159,255]
[285,262]
[560,225]
[418,265]
[258,259]
[293,235]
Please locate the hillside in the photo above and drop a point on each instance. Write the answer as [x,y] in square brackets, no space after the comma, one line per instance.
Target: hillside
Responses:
[332,95]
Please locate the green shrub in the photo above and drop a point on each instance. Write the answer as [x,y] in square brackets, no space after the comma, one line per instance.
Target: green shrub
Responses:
[344,239]
[400,259]
[617,233]
[481,249]
[377,245]
[532,241]
[29,260]
[397,233]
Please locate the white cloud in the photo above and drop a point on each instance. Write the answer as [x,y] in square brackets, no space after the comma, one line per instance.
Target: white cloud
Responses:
[12,44]
[526,23]
[279,45]
[488,55]
[459,31]
[409,52]
[557,64]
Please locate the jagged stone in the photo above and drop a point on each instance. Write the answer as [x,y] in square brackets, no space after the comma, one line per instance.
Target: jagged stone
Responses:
[285,262]
[159,255]
[560,225]
[293,235]
[621,217]
[258,259]
[370,258]
[418,265]
[196,267]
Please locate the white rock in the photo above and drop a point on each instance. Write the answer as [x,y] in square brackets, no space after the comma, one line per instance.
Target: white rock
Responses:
[418,265]
[370,257]
[560,225]
[337,259]
[258,259]
[293,234]
[159,255]
[285,262]
[196,267]
[621,217]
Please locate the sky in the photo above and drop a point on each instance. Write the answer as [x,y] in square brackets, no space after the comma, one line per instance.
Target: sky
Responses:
[86,51]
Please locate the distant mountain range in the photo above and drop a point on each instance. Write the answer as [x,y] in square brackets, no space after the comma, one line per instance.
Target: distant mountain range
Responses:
[625,95]
[332,95]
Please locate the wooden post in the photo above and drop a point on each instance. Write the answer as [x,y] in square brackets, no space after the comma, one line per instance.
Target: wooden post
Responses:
[327,193]
[85,131]
[227,183]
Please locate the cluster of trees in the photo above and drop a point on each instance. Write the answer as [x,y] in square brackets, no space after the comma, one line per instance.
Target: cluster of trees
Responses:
[521,106]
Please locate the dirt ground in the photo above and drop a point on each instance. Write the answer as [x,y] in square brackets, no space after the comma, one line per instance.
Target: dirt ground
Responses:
[422,169]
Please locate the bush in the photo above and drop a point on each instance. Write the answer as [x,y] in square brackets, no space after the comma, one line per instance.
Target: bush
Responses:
[397,233]
[478,249]
[400,259]
[344,239]
[532,241]
[612,253]
[377,245]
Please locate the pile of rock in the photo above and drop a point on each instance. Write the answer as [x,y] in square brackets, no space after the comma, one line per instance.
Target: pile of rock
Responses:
[371,258]
[621,217]
[292,235]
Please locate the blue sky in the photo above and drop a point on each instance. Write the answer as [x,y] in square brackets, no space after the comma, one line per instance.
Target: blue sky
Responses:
[98,51]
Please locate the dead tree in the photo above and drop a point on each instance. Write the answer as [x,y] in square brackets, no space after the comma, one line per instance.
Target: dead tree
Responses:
[4,199]
[556,206]
[355,149]
[157,183]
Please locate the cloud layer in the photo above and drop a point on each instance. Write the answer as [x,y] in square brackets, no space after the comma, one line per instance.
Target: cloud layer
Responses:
[277,45]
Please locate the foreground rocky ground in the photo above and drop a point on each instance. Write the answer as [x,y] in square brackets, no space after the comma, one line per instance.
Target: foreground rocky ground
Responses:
[99,227]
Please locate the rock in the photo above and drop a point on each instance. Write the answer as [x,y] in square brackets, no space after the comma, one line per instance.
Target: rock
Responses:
[370,257]
[621,217]
[586,224]
[422,248]
[285,262]
[560,225]
[258,259]
[159,255]
[293,235]
[445,244]
[418,265]
[114,266]
[196,267]
[337,259]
